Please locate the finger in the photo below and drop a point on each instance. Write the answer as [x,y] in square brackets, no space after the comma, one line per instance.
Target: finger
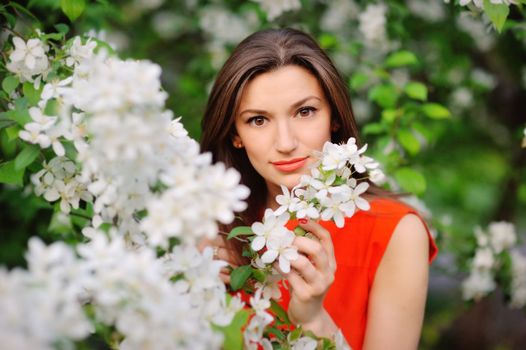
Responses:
[306,269]
[297,284]
[314,250]
[323,235]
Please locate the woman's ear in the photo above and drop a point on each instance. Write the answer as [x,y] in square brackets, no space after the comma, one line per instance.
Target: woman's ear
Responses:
[236,141]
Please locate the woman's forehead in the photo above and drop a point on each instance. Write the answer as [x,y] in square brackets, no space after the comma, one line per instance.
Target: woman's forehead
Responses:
[285,85]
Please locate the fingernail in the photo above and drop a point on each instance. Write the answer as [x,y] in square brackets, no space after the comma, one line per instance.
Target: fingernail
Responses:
[303,221]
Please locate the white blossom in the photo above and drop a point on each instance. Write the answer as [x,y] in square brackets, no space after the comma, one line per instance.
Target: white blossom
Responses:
[518,280]
[478,284]
[279,246]
[274,8]
[501,235]
[272,224]
[372,23]
[29,59]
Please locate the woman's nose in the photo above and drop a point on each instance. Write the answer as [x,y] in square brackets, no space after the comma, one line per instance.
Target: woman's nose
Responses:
[286,140]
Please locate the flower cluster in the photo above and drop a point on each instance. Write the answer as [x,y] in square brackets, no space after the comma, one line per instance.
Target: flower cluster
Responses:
[331,192]
[129,289]
[123,159]
[59,179]
[492,246]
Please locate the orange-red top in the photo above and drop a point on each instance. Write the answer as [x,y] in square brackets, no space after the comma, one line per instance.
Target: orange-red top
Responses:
[359,247]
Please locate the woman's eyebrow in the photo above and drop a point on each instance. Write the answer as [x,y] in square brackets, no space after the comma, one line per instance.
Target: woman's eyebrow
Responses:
[302,101]
[294,106]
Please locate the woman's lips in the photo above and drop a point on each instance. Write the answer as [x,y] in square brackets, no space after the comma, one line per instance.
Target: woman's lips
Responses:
[290,165]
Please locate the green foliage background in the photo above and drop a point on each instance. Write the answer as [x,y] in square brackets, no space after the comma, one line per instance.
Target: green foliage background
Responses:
[464,161]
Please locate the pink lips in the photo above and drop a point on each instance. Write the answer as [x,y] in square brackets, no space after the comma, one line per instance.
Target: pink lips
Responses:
[290,164]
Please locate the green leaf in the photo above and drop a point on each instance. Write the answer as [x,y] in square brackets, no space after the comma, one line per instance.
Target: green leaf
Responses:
[28,154]
[408,141]
[328,41]
[373,129]
[435,111]
[280,313]
[239,276]
[5,123]
[385,95]
[390,115]
[400,58]
[411,180]
[8,148]
[233,335]
[259,275]
[295,334]
[10,83]
[10,175]
[73,8]
[32,94]
[239,231]
[497,13]
[417,91]
[62,28]
[12,133]
[358,80]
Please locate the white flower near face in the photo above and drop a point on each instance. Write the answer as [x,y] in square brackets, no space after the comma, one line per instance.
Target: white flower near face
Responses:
[286,200]
[279,246]
[351,150]
[483,259]
[365,163]
[502,235]
[253,334]
[334,157]
[271,224]
[377,176]
[305,343]
[478,284]
[306,209]
[322,185]
[336,208]
[360,203]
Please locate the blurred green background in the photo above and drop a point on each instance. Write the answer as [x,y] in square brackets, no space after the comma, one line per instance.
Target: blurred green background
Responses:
[466,163]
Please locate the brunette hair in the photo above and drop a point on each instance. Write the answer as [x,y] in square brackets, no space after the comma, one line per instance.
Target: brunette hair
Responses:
[261,52]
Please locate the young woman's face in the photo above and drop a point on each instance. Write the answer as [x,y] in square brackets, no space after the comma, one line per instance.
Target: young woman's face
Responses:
[282,118]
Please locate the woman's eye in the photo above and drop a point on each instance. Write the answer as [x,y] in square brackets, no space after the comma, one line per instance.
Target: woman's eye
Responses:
[306,111]
[257,121]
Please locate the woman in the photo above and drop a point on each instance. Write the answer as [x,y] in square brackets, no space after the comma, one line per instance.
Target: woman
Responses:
[277,99]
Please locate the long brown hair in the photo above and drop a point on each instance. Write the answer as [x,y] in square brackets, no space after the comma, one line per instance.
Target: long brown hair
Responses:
[262,52]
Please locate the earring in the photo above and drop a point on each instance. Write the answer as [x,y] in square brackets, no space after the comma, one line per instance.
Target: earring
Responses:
[238,144]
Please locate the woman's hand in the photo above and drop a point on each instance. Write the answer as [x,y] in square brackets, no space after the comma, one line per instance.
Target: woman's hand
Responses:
[222,251]
[310,277]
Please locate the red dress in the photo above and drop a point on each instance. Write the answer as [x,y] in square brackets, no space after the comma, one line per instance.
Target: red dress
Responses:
[359,247]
